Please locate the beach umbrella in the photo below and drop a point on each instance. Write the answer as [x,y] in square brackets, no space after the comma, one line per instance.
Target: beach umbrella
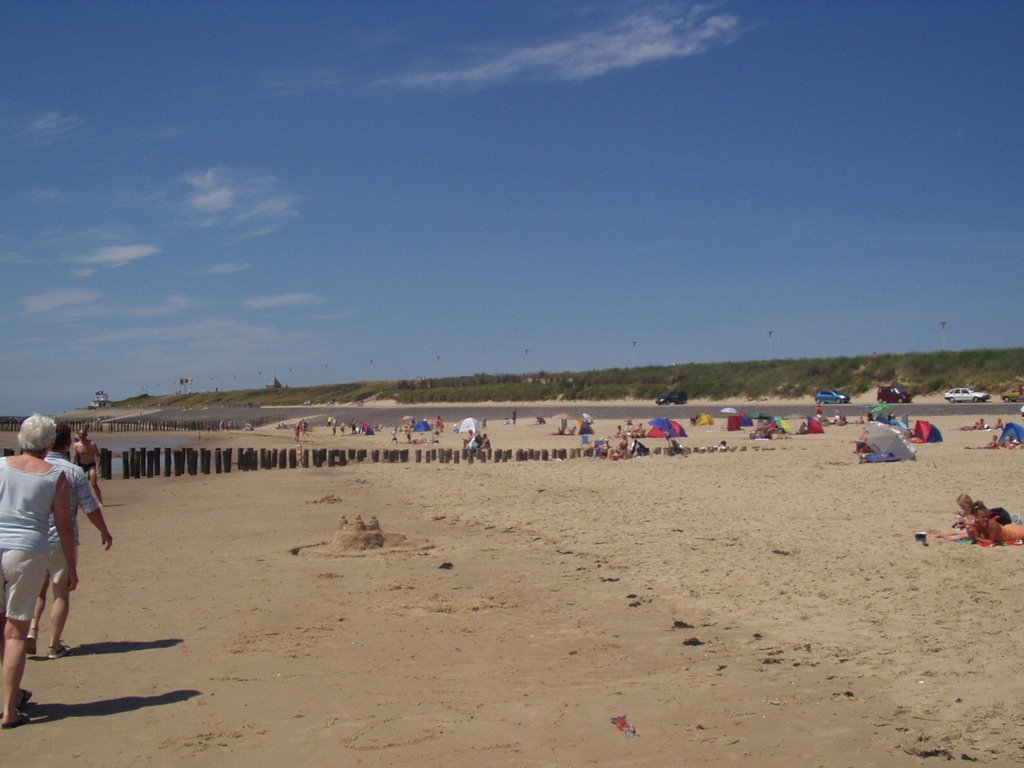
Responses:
[729,409]
[880,408]
[588,418]
[885,439]
[563,416]
[759,415]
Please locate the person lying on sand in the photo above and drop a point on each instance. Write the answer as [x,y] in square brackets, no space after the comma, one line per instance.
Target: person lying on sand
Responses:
[988,529]
[964,517]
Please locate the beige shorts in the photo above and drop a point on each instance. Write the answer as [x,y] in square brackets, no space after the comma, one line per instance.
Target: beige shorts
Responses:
[21,576]
[57,565]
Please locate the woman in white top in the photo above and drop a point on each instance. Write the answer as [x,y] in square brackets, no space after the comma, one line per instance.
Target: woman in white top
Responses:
[30,490]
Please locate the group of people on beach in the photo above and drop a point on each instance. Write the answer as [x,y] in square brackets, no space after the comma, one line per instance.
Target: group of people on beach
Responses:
[977,522]
[41,491]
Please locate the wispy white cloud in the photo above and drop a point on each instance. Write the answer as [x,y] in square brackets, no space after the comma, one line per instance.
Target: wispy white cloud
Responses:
[224,268]
[661,33]
[283,300]
[53,300]
[112,256]
[48,128]
[169,306]
[306,81]
[44,195]
[219,197]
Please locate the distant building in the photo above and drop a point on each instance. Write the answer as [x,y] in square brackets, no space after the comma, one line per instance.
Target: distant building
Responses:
[275,384]
[102,400]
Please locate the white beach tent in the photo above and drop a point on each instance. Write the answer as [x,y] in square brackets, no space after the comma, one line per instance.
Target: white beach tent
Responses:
[885,439]
[468,425]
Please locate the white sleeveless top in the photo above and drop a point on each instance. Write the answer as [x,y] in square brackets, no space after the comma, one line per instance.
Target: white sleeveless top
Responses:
[25,502]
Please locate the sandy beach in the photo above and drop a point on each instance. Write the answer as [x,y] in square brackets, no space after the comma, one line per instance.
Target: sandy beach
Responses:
[762,606]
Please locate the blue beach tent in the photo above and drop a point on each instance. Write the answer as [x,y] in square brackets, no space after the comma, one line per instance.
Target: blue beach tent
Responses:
[1012,432]
[421,426]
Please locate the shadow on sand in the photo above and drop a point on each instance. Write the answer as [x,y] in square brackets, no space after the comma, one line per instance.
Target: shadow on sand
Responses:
[51,712]
[125,646]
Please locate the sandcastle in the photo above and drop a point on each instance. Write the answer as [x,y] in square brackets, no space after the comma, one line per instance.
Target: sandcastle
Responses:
[362,535]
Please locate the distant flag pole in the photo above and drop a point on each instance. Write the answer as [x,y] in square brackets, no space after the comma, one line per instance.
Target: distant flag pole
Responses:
[942,346]
[770,334]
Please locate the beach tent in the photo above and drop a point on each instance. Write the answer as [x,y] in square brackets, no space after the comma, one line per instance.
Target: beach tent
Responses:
[884,439]
[1012,433]
[734,422]
[422,426]
[746,421]
[784,425]
[705,420]
[927,432]
[666,428]
[468,425]
[814,427]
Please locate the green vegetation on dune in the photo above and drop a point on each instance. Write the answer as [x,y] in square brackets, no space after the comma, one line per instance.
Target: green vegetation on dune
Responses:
[922,373]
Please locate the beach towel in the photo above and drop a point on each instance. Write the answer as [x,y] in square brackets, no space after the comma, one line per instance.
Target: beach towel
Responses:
[876,458]
[994,544]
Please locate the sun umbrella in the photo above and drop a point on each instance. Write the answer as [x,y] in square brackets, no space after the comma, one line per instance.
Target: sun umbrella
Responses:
[729,409]
[563,416]
[588,418]
[880,407]
[883,439]
[759,415]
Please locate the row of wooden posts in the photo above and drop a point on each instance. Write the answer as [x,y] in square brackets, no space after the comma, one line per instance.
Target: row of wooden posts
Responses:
[10,424]
[168,462]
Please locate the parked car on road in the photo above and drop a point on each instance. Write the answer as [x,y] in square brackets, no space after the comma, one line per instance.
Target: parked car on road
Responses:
[675,397]
[893,394]
[1012,395]
[830,397]
[966,395]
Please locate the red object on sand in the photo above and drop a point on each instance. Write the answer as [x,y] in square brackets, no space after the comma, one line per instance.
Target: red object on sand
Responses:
[627,728]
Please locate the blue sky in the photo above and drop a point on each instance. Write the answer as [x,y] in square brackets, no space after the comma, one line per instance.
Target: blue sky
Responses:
[335,191]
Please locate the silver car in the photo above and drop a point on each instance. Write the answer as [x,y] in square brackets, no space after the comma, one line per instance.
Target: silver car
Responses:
[966,395]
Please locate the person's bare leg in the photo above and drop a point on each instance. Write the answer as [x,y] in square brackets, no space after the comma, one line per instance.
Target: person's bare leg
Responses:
[94,481]
[15,631]
[59,612]
[37,615]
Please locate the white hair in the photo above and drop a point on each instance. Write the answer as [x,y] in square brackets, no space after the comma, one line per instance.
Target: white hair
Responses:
[37,433]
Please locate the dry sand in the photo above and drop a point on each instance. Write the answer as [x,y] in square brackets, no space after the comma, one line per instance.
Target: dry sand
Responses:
[763,607]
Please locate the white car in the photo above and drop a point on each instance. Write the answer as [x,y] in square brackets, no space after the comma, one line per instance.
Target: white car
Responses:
[966,395]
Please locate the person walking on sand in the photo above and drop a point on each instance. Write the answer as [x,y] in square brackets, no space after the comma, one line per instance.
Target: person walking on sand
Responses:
[87,456]
[57,566]
[31,490]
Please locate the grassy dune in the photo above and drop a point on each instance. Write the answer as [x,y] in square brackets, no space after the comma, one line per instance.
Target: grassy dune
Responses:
[923,373]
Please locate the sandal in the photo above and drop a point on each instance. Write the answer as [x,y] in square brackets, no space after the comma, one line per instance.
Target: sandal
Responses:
[26,696]
[21,720]
[60,651]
